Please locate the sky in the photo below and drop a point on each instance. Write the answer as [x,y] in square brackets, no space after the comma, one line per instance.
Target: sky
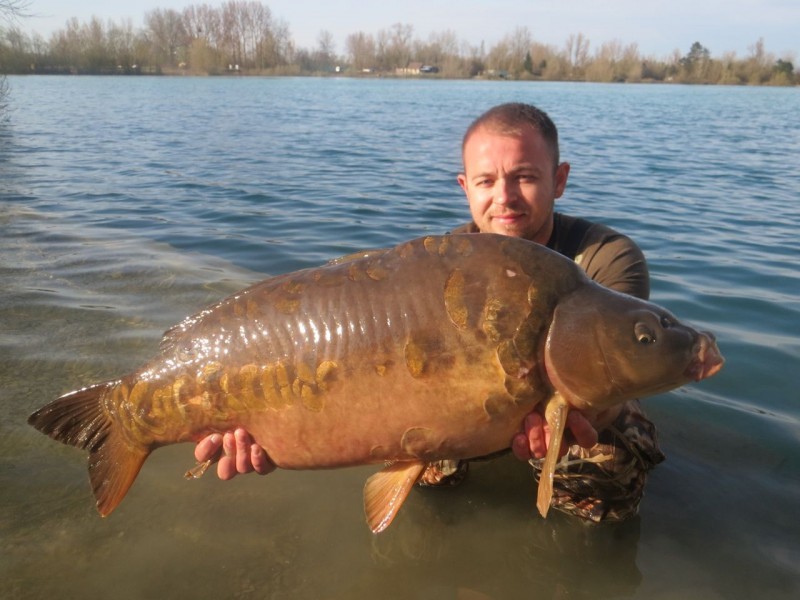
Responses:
[658,27]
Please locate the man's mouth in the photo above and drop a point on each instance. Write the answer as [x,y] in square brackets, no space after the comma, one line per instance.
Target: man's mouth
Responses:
[507,217]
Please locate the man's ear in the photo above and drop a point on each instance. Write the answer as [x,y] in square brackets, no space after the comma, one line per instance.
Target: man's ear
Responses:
[562,174]
[462,181]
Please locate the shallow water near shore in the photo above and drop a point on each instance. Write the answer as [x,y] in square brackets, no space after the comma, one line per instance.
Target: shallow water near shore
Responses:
[128,203]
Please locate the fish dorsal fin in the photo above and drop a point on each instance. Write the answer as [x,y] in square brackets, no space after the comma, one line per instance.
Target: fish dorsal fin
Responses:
[386,490]
[556,414]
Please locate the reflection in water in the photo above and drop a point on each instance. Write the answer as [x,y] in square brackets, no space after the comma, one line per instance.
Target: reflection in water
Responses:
[444,536]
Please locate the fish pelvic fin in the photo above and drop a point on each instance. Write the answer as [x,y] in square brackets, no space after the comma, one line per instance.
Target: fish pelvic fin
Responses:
[556,416]
[79,419]
[386,490]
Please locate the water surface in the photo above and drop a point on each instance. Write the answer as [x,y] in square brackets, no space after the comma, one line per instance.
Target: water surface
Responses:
[128,203]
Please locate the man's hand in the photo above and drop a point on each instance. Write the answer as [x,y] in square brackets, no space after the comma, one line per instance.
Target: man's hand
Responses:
[534,440]
[240,454]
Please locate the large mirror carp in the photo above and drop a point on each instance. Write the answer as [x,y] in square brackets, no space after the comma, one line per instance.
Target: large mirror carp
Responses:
[435,349]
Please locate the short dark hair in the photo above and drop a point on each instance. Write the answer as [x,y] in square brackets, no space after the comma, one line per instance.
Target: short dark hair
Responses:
[512,118]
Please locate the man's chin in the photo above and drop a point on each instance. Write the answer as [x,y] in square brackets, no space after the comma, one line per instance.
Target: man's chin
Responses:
[512,229]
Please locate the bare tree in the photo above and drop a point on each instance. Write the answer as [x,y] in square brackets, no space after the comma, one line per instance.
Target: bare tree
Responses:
[758,66]
[577,51]
[14,9]
[394,46]
[167,34]
[361,51]
[326,46]
[441,51]
[509,54]
[10,11]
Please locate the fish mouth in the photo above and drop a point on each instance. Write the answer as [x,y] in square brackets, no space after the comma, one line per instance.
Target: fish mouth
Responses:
[707,359]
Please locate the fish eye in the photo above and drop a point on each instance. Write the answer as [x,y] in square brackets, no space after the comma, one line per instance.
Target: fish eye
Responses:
[644,335]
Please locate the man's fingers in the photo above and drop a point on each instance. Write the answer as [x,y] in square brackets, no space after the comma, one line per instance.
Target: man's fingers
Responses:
[520,447]
[235,452]
[533,443]
[538,435]
[226,468]
[261,463]
[243,443]
[582,431]
[208,447]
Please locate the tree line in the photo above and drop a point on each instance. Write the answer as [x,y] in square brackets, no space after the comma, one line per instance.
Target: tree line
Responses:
[243,36]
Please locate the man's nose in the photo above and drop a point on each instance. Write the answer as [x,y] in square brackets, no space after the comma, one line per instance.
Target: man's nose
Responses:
[504,192]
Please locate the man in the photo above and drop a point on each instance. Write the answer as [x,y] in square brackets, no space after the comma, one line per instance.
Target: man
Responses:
[512,178]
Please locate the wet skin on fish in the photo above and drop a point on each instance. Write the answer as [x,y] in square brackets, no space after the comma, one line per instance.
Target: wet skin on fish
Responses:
[434,349]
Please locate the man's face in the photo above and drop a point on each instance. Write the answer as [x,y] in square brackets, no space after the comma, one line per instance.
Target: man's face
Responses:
[511,183]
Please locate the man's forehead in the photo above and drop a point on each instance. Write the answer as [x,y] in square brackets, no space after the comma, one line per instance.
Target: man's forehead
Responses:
[484,136]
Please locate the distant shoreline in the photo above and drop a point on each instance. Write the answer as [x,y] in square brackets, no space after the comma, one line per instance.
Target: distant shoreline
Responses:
[388,76]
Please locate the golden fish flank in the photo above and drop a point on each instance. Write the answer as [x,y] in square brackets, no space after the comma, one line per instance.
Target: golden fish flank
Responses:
[463,246]
[418,441]
[454,300]
[329,279]
[527,336]
[292,286]
[356,272]
[276,386]
[433,244]
[513,364]
[271,389]
[326,374]
[492,318]
[248,385]
[456,246]
[496,405]
[305,373]
[287,305]
[305,387]
[406,251]
[376,271]
[415,359]
[380,368]
[152,404]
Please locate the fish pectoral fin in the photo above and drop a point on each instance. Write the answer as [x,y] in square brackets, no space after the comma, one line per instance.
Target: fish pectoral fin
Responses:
[386,490]
[556,416]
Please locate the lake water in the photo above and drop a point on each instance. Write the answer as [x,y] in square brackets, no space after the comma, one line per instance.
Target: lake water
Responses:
[128,203]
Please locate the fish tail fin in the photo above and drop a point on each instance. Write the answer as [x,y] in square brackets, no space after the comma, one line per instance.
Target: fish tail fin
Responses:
[79,419]
[556,415]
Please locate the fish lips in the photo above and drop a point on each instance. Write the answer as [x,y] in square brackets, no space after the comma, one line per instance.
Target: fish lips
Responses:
[707,359]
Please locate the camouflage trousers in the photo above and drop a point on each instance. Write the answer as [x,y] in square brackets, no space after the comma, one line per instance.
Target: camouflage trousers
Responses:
[602,483]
